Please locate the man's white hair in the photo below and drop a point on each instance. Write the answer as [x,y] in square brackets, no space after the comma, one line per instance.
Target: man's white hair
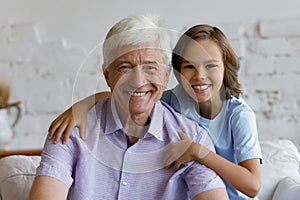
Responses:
[137,30]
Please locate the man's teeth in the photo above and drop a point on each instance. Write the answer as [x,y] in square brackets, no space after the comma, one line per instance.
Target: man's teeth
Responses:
[201,87]
[137,94]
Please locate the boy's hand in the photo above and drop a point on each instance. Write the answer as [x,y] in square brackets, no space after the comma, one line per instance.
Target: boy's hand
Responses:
[65,123]
[184,151]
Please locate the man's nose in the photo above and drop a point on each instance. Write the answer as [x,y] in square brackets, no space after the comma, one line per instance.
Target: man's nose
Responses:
[137,77]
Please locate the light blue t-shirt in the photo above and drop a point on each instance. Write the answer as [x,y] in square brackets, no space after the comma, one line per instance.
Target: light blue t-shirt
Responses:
[233,130]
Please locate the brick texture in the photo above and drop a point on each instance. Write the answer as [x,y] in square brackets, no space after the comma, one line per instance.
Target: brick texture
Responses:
[48,76]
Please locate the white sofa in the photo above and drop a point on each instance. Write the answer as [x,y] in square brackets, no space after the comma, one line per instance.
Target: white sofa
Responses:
[280,173]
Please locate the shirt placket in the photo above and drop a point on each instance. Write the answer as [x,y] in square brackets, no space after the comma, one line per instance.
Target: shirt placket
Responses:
[125,181]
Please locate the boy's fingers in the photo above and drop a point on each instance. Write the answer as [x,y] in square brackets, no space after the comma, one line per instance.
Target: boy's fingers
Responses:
[59,132]
[177,166]
[52,129]
[68,132]
[168,166]
[82,131]
[54,126]
[167,159]
[183,136]
[66,137]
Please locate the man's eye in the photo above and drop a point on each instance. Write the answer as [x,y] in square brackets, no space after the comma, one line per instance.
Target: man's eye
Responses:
[124,68]
[150,67]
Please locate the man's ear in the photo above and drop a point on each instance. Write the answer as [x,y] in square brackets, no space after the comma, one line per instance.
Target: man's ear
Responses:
[168,73]
[106,74]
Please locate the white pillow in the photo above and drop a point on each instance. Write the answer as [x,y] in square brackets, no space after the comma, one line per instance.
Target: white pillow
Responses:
[280,159]
[16,176]
[288,189]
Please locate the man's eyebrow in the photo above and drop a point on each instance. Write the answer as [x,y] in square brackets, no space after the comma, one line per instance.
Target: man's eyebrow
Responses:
[150,62]
[147,62]
[120,62]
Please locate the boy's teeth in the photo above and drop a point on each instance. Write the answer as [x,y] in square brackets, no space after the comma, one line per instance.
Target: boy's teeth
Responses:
[201,87]
[137,94]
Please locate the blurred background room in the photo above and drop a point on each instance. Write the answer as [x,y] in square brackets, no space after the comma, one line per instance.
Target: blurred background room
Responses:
[50,57]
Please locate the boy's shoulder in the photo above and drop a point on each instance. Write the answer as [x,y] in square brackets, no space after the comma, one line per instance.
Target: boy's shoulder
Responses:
[238,105]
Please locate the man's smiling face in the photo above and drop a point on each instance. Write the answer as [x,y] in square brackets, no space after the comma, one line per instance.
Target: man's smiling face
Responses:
[137,79]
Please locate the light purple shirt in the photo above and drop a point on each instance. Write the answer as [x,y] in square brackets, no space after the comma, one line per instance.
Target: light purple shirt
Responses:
[102,167]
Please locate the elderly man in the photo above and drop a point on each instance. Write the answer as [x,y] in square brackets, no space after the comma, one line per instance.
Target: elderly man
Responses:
[129,132]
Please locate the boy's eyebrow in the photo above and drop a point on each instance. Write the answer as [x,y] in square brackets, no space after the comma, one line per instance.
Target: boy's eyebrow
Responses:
[207,61]
[212,60]
[185,61]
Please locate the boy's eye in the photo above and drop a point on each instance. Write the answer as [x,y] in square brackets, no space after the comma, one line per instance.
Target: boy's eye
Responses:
[210,66]
[189,67]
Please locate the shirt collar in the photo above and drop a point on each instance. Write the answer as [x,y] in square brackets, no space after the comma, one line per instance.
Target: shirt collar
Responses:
[112,121]
[157,121]
[114,124]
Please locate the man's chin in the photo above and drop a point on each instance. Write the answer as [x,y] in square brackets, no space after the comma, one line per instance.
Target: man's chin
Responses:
[139,108]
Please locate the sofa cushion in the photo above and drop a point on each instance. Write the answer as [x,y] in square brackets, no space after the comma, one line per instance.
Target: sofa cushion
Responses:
[280,159]
[288,189]
[16,176]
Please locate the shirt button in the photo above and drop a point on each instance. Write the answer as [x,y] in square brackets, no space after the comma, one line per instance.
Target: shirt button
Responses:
[124,183]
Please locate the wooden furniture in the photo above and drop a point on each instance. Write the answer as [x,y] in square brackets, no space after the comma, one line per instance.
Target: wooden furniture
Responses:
[31,152]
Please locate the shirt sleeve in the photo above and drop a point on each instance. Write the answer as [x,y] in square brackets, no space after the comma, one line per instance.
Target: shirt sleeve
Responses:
[246,144]
[58,160]
[200,178]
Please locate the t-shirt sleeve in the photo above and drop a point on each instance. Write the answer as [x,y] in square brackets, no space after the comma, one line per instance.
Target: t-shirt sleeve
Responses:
[166,97]
[246,144]
[58,161]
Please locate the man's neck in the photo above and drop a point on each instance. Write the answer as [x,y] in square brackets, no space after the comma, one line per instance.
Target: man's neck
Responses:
[135,124]
[135,127]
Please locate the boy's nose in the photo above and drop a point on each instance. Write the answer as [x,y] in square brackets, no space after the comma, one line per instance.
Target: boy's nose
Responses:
[200,74]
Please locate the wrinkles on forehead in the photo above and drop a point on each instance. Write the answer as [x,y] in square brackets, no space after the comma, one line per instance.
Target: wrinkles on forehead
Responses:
[151,53]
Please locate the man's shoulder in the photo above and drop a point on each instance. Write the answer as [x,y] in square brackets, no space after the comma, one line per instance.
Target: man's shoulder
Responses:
[97,115]
[96,110]
[179,122]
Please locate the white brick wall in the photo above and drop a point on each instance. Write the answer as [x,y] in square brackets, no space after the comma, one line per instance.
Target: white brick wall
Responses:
[46,76]
[270,76]
[280,28]
[48,72]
